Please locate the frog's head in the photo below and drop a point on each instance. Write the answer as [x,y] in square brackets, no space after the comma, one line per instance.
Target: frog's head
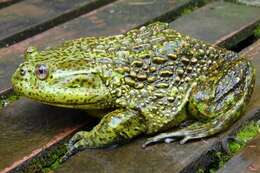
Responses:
[67,82]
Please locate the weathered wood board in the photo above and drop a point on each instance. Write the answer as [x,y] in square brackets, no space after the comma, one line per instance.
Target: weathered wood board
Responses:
[217,20]
[248,160]
[250,2]
[51,122]
[5,3]
[28,17]
[253,53]
[170,157]
[26,125]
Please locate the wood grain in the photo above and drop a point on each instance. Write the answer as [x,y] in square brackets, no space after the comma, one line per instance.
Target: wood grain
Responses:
[29,17]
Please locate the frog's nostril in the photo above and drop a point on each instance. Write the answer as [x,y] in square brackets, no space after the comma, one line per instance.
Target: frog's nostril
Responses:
[22,72]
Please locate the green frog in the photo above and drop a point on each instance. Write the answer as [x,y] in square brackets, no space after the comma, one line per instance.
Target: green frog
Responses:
[152,78]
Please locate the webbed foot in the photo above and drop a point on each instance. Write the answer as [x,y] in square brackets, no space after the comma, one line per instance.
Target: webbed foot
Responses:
[77,143]
[116,127]
[182,135]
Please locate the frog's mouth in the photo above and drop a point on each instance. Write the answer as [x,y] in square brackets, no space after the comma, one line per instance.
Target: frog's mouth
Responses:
[70,98]
[73,91]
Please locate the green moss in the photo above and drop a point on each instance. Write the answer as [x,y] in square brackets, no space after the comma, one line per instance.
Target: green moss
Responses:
[243,136]
[234,147]
[192,7]
[52,167]
[257,32]
[200,171]
[46,162]
[186,11]
[7,99]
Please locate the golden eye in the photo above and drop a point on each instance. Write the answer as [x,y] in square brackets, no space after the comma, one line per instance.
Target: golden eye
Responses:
[41,71]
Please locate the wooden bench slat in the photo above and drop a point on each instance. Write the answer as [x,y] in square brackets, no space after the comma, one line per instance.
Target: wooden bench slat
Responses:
[168,157]
[250,2]
[5,3]
[24,128]
[253,53]
[115,18]
[222,23]
[29,17]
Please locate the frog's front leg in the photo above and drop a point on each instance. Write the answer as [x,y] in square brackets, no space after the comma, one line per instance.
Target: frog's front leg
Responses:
[216,103]
[114,128]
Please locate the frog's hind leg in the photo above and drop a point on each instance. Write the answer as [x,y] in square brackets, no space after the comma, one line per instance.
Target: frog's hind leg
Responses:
[114,128]
[216,103]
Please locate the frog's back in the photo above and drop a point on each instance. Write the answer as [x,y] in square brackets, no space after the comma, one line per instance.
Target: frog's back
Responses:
[155,48]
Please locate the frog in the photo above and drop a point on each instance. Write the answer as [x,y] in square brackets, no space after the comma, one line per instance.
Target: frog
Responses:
[153,79]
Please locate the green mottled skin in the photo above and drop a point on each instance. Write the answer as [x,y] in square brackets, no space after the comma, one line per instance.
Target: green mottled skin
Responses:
[153,77]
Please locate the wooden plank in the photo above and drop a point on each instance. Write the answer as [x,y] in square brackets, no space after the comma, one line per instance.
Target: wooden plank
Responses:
[29,17]
[5,3]
[111,19]
[25,129]
[250,2]
[247,161]
[168,157]
[253,52]
[218,19]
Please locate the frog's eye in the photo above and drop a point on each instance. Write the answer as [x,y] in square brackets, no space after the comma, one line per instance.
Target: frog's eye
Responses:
[41,71]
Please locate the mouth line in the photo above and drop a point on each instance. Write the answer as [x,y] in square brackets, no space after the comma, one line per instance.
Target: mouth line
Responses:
[54,102]
[64,104]
[42,97]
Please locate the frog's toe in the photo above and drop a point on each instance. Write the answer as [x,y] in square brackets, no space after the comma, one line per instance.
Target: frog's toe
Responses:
[164,137]
[78,146]
[77,143]
[73,148]
[183,135]
[78,136]
[150,141]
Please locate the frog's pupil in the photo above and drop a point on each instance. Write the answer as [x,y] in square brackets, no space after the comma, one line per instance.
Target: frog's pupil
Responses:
[41,71]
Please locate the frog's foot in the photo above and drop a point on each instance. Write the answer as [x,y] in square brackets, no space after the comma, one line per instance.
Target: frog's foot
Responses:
[194,131]
[114,128]
[77,143]
[216,104]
